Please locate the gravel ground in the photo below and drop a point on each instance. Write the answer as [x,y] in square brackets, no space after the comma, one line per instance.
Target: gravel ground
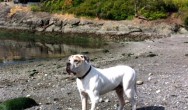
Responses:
[162,65]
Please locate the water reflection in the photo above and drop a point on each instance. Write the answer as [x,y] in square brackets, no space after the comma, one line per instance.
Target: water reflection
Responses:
[11,50]
[26,45]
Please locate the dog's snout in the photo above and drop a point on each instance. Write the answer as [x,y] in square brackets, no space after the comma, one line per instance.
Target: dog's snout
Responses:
[68,64]
[68,67]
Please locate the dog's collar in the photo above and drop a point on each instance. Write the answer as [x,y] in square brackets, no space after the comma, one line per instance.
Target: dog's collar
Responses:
[85,74]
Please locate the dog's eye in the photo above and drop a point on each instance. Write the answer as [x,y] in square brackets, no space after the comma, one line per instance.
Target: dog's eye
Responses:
[76,61]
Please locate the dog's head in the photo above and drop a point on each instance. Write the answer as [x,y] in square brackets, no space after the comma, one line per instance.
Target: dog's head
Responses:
[77,64]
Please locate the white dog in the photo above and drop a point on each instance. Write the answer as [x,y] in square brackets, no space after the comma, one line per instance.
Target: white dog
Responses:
[94,82]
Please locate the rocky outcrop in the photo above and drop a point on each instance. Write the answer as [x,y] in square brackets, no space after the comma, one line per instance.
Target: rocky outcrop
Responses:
[124,30]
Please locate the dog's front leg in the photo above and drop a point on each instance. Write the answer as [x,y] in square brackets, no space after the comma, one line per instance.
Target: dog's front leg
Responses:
[93,104]
[84,98]
[94,97]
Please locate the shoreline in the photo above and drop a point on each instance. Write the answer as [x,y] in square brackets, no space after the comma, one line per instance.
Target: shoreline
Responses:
[18,17]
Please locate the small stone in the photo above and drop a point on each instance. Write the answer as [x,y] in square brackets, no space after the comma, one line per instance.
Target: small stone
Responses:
[40,108]
[28,95]
[166,83]
[100,100]
[107,100]
[149,78]
[139,82]
[150,74]
[158,91]
[116,106]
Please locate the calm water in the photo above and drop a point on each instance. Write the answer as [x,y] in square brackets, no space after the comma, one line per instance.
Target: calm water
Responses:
[24,45]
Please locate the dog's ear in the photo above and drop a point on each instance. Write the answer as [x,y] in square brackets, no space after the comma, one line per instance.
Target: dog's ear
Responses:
[86,58]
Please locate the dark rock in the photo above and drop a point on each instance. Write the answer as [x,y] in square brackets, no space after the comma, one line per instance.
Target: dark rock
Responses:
[130,54]
[85,52]
[34,72]
[38,23]
[106,51]
[18,103]
[175,28]
[173,95]
[151,55]
[56,99]
[45,21]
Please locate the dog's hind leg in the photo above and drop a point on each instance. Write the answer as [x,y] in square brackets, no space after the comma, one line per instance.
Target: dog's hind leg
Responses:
[129,87]
[130,93]
[120,93]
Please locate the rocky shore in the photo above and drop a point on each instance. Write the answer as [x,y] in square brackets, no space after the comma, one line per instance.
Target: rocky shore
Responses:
[19,17]
[161,65]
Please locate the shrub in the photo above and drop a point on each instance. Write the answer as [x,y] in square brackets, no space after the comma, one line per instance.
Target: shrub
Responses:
[155,9]
[179,3]
[170,7]
[52,5]
[86,8]
[153,15]
[35,8]
[109,9]
[114,9]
